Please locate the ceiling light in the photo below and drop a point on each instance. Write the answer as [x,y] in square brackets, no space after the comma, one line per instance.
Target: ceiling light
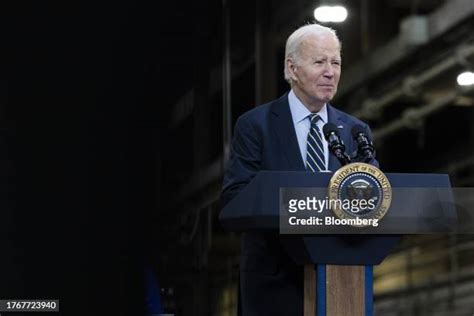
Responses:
[466,78]
[330,14]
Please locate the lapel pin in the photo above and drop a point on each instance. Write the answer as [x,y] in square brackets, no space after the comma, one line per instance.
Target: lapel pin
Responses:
[340,126]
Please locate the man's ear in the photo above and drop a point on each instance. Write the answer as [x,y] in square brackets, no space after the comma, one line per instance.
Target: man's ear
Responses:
[291,66]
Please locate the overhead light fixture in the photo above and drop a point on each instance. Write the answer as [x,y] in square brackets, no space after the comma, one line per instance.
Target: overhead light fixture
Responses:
[334,14]
[466,78]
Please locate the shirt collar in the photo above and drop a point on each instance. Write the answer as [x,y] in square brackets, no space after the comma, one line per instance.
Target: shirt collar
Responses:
[299,112]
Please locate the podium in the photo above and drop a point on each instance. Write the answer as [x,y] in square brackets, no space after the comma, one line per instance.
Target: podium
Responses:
[339,267]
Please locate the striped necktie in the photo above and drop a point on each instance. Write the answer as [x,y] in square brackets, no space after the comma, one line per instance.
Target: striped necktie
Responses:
[315,161]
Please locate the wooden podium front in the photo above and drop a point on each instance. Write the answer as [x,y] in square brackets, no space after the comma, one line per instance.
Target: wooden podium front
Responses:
[337,290]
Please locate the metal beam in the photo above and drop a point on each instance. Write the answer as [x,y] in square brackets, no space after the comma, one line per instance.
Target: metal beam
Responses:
[439,22]
[371,108]
[412,116]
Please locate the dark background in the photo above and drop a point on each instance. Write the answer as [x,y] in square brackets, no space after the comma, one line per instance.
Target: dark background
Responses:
[115,126]
[78,85]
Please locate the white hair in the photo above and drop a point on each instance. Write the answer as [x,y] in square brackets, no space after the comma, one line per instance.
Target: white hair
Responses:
[294,41]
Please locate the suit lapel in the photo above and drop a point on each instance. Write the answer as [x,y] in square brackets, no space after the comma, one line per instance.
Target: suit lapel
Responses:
[336,119]
[284,129]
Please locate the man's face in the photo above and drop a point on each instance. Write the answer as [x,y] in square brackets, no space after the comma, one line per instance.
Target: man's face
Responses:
[316,71]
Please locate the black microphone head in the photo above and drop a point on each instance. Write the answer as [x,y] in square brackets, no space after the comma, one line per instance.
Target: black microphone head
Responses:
[356,130]
[328,128]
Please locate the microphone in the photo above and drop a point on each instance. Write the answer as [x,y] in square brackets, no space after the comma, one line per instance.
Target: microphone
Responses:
[365,148]
[336,145]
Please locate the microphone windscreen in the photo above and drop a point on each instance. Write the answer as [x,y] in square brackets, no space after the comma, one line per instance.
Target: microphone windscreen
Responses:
[328,128]
[356,130]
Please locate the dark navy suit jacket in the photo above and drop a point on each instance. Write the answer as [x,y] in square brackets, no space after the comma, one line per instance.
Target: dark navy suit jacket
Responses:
[265,139]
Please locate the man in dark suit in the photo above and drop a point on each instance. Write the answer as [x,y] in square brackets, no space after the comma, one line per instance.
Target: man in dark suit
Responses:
[276,136]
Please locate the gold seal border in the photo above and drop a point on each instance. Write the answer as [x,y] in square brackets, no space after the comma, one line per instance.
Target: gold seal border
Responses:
[360,167]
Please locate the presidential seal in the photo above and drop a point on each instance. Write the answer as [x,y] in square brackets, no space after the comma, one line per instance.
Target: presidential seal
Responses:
[359,191]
